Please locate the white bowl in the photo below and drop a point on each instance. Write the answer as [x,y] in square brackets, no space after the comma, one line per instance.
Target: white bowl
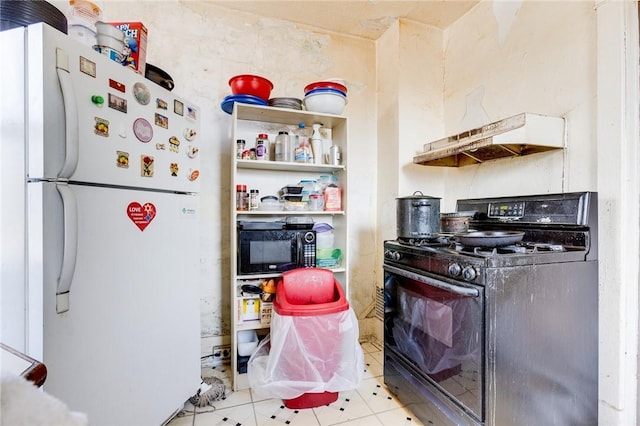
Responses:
[108,41]
[326,103]
[109,30]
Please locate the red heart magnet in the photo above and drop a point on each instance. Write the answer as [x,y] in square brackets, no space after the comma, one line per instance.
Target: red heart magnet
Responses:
[141,215]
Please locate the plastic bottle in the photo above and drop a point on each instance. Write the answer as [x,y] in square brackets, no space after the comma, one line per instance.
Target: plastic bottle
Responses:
[283,147]
[316,143]
[303,152]
[262,150]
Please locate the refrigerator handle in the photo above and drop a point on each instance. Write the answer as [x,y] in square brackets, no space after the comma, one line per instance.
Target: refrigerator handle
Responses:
[70,249]
[70,114]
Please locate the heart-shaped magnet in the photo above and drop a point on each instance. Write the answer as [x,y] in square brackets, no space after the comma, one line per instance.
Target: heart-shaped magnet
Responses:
[141,214]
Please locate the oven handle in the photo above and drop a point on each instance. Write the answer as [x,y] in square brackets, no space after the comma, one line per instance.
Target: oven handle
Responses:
[462,291]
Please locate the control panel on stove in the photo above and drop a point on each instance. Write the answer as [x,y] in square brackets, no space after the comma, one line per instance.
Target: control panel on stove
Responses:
[514,209]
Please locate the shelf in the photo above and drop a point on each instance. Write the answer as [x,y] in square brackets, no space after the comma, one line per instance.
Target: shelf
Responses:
[251,325]
[276,275]
[287,166]
[289,212]
[268,177]
[285,116]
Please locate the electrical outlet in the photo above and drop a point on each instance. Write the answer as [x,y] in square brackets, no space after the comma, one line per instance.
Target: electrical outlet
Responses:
[221,354]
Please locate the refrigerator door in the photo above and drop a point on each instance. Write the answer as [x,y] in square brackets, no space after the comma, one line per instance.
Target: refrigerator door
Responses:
[93,120]
[125,347]
[13,324]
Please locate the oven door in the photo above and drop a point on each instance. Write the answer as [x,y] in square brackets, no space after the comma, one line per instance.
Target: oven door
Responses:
[436,327]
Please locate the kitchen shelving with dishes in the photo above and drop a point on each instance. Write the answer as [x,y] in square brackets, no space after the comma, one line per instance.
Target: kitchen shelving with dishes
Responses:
[248,311]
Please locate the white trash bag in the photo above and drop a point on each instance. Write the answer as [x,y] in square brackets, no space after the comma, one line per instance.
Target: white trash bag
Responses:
[308,354]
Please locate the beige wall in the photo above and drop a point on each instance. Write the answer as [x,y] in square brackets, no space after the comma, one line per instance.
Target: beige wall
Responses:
[201,46]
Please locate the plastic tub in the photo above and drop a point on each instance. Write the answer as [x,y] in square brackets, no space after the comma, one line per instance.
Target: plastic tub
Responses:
[324,240]
[247,342]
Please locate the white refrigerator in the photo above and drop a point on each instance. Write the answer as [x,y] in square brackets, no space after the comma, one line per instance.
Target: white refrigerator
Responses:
[99,220]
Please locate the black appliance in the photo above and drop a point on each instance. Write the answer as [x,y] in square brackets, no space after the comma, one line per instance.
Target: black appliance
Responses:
[502,333]
[272,247]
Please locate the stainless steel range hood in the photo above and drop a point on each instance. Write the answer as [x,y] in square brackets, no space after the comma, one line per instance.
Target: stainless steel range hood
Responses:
[516,136]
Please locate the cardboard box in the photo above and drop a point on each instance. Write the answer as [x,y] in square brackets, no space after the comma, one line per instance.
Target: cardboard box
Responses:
[248,309]
[265,313]
[135,44]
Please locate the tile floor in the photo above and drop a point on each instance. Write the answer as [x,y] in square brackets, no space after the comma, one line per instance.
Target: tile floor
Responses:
[369,405]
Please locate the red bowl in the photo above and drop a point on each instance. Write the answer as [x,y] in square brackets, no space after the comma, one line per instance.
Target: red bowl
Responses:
[251,85]
[325,85]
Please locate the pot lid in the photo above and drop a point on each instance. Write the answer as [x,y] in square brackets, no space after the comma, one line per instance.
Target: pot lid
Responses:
[418,195]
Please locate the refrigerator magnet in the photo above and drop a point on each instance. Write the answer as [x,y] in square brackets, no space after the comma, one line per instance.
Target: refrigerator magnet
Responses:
[146,165]
[101,127]
[122,159]
[174,144]
[161,146]
[189,134]
[117,85]
[141,93]
[143,130]
[160,104]
[192,151]
[141,215]
[178,107]
[87,67]
[173,169]
[161,121]
[117,103]
[192,113]
[194,174]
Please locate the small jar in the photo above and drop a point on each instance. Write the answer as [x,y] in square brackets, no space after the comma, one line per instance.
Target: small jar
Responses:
[262,147]
[254,199]
[242,201]
[240,144]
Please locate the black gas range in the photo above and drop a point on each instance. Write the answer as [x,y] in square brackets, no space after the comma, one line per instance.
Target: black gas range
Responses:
[503,331]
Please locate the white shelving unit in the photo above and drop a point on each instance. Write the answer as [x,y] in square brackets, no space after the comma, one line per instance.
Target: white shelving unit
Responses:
[269,177]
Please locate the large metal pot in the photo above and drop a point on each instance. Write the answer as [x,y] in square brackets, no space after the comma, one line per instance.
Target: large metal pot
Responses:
[418,216]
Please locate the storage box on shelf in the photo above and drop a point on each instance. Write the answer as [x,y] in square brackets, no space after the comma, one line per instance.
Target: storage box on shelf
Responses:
[269,177]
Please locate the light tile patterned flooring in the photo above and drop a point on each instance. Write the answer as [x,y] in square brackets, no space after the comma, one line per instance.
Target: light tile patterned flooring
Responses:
[369,405]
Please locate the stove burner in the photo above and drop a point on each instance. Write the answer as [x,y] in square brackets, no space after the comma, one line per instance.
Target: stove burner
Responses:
[520,248]
[420,242]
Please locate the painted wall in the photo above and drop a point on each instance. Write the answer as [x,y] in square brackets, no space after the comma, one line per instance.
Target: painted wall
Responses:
[498,62]
[413,85]
[201,46]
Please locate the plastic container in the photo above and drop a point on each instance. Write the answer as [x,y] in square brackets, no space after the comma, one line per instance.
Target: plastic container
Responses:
[324,240]
[314,349]
[283,147]
[247,342]
[81,18]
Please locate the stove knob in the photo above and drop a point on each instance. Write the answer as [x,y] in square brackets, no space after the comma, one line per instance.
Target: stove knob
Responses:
[454,270]
[468,273]
[393,255]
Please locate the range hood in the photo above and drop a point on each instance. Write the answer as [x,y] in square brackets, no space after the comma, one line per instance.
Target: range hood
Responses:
[516,136]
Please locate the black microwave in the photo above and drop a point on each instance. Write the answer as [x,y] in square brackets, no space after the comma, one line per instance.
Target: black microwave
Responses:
[263,251]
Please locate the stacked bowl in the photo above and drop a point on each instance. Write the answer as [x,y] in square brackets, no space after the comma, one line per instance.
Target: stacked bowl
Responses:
[327,97]
[110,41]
[247,89]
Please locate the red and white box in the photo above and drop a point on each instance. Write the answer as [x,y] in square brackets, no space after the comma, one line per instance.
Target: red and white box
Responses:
[135,42]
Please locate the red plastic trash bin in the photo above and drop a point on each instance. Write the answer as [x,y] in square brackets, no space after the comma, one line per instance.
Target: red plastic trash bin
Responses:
[305,293]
